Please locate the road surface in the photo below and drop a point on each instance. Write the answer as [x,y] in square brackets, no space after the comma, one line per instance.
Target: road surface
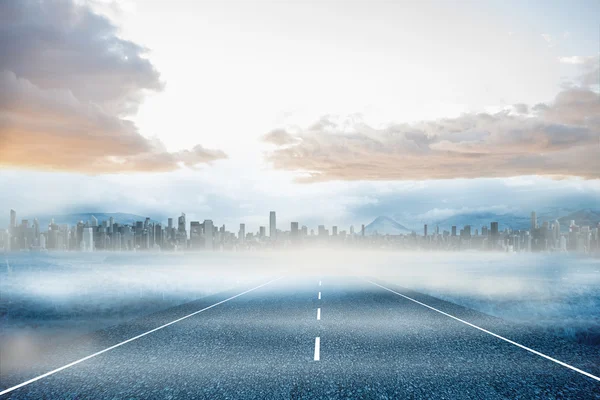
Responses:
[321,337]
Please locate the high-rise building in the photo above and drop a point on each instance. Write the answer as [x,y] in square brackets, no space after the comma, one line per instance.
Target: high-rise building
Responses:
[94,222]
[294,229]
[181,223]
[334,231]
[181,231]
[453,230]
[208,234]
[494,230]
[425,230]
[534,224]
[272,225]
[13,221]
[242,233]
[195,234]
[88,239]
[262,232]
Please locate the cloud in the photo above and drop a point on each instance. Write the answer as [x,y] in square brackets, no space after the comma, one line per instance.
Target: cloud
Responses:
[279,137]
[67,84]
[576,60]
[557,139]
[589,67]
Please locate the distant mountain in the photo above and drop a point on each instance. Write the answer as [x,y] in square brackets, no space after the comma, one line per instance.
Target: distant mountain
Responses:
[582,218]
[385,226]
[519,221]
[73,219]
[479,219]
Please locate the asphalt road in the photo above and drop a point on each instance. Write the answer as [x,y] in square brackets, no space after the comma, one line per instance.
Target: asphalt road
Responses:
[373,344]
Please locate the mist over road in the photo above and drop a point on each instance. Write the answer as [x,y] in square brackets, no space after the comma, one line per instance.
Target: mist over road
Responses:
[313,337]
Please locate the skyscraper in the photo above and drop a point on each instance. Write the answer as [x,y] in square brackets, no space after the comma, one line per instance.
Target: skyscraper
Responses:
[242,233]
[272,225]
[494,230]
[294,229]
[13,221]
[88,239]
[181,223]
[425,230]
[94,222]
[534,224]
[181,233]
[208,234]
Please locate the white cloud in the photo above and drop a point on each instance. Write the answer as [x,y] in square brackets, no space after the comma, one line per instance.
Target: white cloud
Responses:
[576,60]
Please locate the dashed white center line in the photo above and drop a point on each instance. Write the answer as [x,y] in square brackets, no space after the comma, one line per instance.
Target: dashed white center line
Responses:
[318,314]
[319,295]
[317,348]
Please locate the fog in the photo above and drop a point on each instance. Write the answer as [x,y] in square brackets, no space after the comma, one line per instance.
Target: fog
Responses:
[58,296]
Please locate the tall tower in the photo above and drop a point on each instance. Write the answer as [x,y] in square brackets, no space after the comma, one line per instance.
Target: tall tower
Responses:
[242,233]
[13,220]
[534,224]
[272,225]
[208,234]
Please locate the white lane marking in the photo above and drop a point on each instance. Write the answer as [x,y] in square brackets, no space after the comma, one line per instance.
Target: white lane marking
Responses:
[317,348]
[493,334]
[319,283]
[37,378]
[319,295]
[318,314]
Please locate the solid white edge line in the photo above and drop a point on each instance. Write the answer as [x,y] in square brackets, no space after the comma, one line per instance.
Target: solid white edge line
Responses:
[317,348]
[319,295]
[318,313]
[492,333]
[37,378]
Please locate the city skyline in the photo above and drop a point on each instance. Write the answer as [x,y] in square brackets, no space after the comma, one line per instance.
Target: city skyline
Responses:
[110,235]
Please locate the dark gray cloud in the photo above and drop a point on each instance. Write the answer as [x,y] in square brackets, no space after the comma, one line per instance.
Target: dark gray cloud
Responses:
[556,139]
[67,84]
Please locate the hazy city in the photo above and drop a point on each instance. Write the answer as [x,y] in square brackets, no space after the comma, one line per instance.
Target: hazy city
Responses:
[148,235]
[299,199]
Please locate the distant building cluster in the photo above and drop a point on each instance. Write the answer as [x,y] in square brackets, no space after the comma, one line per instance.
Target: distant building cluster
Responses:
[108,235]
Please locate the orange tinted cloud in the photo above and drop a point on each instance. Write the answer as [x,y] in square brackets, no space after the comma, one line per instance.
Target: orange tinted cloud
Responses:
[66,82]
[556,139]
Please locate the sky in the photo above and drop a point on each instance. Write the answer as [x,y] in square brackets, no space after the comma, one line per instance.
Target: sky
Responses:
[325,111]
